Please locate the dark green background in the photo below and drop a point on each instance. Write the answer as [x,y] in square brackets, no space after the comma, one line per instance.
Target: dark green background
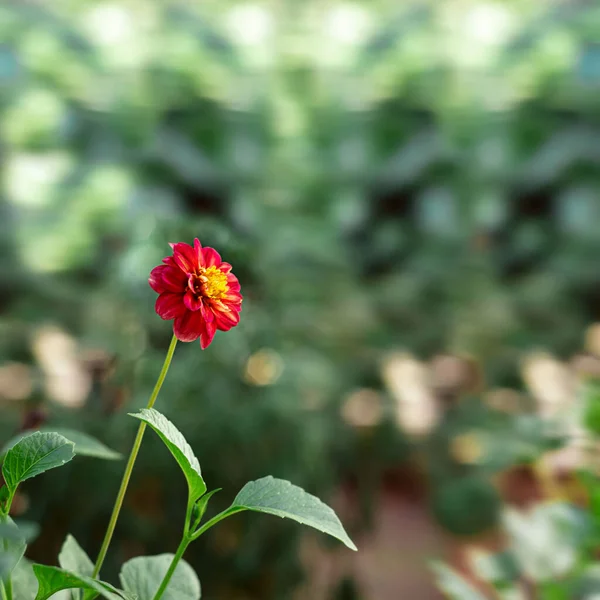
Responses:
[430,186]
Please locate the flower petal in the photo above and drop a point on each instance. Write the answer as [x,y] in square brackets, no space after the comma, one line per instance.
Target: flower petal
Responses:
[226,320]
[188,327]
[210,257]
[166,279]
[185,257]
[191,301]
[207,313]
[169,306]
[174,279]
[233,283]
[198,250]
[156,281]
[181,294]
[206,337]
[232,297]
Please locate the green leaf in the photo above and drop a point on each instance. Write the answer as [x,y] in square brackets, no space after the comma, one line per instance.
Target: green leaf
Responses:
[12,546]
[53,579]
[72,557]
[178,447]
[200,507]
[453,585]
[283,499]
[33,455]
[24,582]
[143,575]
[85,445]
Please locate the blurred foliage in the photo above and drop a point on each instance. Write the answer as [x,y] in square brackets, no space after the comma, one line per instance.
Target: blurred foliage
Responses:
[385,178]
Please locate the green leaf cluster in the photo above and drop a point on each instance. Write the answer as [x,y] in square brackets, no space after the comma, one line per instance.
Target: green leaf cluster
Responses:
[25,457]
[143,578]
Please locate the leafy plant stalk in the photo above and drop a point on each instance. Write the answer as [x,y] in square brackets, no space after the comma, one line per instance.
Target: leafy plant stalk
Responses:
[4,512]
[131,462]
[214,521]
[185,542]
[189,535]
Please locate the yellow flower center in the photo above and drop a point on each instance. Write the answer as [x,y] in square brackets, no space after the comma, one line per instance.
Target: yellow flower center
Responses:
[213,283]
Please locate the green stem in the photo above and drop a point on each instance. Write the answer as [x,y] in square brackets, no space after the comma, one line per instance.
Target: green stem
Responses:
[8,585]
[215,520]
[185,542]
[188,516]
[131,461]
[6,511]
[192,526]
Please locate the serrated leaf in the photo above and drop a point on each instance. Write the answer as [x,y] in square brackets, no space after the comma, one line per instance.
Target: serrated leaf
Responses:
[53,579]
[33,455]
[143,575]
[85,445]
[72,557]
[283,499]
[178,446]
[453,585]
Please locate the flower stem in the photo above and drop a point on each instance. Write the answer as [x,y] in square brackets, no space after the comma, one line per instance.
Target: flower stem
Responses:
[131,461]
[185,542]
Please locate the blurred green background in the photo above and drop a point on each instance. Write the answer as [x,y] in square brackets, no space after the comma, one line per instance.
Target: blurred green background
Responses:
[409,194]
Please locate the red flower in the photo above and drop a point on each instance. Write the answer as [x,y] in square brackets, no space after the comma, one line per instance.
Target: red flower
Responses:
[198,291]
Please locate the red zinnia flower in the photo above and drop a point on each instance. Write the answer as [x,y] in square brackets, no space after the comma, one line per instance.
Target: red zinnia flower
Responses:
[198,291]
